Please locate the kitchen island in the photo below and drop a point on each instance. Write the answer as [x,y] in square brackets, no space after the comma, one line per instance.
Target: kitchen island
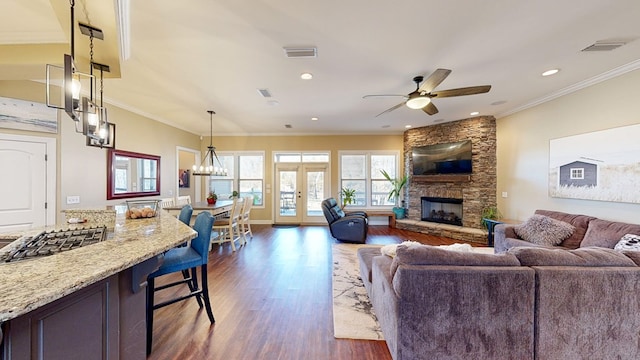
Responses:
[90,300]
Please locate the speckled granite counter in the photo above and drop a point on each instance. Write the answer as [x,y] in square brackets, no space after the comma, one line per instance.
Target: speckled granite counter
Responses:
[30,284]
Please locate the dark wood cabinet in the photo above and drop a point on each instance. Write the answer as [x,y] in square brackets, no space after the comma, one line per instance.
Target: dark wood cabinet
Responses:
[105,320]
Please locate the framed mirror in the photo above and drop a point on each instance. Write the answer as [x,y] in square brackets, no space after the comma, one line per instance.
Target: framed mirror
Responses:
[131,174]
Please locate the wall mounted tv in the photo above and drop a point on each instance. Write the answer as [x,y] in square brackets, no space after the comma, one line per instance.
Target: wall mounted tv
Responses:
[448,158]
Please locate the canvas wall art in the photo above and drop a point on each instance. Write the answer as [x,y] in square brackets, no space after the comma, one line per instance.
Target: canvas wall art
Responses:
[27,115]
[601,165]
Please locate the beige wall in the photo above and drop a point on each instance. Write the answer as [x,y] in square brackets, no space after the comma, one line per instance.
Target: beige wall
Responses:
[82,170]
[523,147]
[332,143]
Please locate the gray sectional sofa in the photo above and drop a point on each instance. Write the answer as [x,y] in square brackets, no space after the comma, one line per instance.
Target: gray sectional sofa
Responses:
[526,303]
[588,231]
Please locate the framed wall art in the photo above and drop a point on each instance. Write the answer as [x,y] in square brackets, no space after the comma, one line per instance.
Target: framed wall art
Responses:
[27,115]
[601,165]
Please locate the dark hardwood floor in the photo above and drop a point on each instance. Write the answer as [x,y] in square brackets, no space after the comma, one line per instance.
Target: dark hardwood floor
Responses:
[271,300]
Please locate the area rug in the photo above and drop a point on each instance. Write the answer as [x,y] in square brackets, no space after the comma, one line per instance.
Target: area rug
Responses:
[353,316]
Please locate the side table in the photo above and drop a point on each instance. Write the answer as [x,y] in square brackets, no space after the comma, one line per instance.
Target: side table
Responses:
[491,224]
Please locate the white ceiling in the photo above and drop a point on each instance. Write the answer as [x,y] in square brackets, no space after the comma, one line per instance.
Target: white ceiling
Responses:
[189,57]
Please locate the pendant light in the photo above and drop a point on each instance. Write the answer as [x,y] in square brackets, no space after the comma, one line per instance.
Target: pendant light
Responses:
[207,167]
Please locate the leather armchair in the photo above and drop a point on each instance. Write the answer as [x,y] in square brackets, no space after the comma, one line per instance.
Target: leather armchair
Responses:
[351,226]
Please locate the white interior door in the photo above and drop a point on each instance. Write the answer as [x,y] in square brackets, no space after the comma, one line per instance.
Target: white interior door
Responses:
[24,187]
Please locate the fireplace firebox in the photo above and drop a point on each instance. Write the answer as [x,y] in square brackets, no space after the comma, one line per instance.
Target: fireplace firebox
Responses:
[442,210]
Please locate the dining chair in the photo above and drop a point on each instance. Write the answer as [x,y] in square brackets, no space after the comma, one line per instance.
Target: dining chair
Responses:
[185,260]
[245,221]
[167,202]
[185,217]
[183,200]
[228,228]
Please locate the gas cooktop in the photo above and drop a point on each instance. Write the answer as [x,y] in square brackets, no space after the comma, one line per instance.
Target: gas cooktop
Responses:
[53,242]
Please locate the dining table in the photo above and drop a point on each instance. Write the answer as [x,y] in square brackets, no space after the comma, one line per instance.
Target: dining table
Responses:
[218,208]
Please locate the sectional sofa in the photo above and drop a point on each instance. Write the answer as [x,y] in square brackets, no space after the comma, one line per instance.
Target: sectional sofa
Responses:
[587,231]
[526,303]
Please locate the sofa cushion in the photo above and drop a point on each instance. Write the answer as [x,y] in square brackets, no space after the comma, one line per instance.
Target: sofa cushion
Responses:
[543,230]
[580,222]
[628,242]
[589,257]
[605,233]
[433,255]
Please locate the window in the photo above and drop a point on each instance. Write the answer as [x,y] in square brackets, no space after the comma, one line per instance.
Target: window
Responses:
[246,175]
[361,171]
[577,173]
[296,157]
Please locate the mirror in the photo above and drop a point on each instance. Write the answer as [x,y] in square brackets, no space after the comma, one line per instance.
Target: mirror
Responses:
[131,174]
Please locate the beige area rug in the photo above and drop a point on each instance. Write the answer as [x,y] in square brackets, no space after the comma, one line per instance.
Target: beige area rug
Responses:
[353,316]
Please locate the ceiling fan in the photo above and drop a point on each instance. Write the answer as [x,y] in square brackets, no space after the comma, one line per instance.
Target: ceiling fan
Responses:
[421,97]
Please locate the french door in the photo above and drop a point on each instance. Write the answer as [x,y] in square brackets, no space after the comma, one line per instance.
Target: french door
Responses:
[300,188]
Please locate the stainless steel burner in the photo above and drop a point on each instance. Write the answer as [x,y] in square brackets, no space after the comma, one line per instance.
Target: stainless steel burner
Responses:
[49,243]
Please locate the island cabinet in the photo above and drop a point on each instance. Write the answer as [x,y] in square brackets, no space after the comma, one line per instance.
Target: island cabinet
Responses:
[105,320]
[86,303]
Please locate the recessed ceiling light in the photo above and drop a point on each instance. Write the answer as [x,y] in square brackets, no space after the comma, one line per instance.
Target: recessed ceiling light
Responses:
[550,72]
[474,113]
[314,118]
[306,76]
[407,126]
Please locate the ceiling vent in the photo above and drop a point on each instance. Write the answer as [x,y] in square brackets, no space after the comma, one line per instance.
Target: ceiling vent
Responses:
[288,126]
[301,52]
[604,45]
[264,93]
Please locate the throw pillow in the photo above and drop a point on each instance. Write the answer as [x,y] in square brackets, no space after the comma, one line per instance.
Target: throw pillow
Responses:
[390,250]
[628,242]
[543,230]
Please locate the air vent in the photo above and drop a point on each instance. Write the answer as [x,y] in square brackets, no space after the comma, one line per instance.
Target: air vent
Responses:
[301,52]
[264,93]
[604,46]
[288,126]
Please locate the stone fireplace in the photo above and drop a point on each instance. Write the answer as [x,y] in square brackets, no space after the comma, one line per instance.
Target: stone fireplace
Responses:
[476,191]
[441,210]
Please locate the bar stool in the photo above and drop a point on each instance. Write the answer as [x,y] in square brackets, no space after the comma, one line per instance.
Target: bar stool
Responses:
[184,260]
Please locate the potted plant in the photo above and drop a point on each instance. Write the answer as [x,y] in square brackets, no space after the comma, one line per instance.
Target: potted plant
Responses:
[234,195]
[490,213]
[212,197]
[395,193]
[348,196]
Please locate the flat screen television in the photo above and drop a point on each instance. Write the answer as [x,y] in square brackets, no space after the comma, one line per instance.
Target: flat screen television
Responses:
[447,158]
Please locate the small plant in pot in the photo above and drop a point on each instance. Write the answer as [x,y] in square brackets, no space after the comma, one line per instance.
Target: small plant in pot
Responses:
[212,197]
[395,193]
[491,213]
[348,196]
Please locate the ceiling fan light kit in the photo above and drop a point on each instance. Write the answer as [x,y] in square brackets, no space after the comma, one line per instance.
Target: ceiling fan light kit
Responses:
[417,101]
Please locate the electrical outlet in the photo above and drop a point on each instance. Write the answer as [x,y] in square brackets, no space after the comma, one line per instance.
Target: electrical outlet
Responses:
[73,200]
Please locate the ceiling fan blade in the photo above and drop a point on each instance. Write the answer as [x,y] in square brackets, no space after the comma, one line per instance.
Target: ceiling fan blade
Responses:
[472,90]
[434,80]
[382,95]
[430,109]
[391,109]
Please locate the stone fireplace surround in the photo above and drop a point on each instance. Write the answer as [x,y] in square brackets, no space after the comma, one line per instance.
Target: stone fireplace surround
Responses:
[477,191]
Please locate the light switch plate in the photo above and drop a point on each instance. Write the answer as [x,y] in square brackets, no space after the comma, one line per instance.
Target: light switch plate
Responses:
[73,199]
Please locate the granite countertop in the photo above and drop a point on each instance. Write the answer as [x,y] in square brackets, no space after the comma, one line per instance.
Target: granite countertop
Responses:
[29,284]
